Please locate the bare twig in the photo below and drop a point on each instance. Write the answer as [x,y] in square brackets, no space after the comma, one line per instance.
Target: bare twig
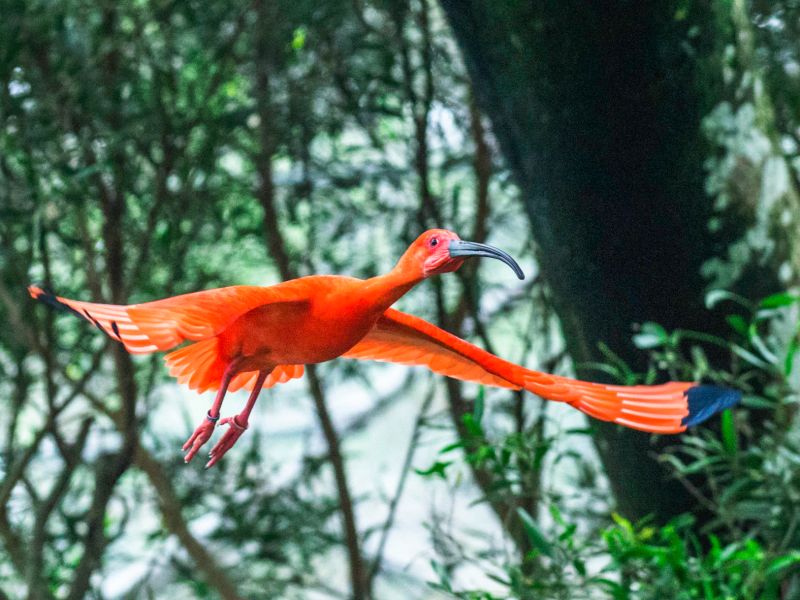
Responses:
[110,467]
[36,547]
[412,446]
[170,507]
[277,248]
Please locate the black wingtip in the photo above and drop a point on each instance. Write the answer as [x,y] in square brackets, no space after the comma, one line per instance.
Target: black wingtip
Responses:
[46,297]
[707,400]
[43,295]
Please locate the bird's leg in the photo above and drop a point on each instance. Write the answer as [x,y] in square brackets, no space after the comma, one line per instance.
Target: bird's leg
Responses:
[206,428]
[238,424]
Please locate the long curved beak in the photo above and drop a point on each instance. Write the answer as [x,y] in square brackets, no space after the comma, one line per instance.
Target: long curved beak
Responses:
[461,248]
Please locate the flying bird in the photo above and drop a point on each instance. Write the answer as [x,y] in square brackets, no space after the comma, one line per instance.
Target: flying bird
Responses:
[254,337]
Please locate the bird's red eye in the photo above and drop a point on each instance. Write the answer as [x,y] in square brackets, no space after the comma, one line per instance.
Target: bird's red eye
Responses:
[434,242]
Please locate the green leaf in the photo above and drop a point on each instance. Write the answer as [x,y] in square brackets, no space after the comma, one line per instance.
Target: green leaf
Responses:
[477,411]
[578,431]
[299,38]
[757,402]
[472,426]
[730,438]
[444,576]
[652,335]
[535,536]
[791,350]
[501,580]
[701,464]
[777,300]
[625,374]
[614,587]
[451,447]
[759,345]
[580,566]
[437,469]
[714,297]
[749,357]
[737,323]
[782,562]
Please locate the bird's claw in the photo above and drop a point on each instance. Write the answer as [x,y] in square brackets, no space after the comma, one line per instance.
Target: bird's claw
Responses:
[227,441]
[200,436]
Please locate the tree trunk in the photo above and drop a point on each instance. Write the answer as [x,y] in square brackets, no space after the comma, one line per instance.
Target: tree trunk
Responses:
[598,108]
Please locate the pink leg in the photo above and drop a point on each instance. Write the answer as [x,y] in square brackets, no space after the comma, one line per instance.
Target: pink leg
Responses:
[238,424]
[203,432]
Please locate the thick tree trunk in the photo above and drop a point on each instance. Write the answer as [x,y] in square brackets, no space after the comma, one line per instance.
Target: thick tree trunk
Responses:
[598,109]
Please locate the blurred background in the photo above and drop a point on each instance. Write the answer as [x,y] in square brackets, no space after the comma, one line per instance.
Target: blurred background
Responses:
[640,160]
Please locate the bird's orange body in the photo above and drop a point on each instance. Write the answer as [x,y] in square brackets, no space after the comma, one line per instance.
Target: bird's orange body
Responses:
[316,328]
[253,337]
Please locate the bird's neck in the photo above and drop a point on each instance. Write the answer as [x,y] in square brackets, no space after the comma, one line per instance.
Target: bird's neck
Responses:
[384,290]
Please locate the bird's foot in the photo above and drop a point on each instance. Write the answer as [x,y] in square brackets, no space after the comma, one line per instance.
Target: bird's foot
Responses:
[227,441]
[200,436]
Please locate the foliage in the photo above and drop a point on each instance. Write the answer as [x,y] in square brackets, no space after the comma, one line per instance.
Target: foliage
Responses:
[152,148]
[751,478]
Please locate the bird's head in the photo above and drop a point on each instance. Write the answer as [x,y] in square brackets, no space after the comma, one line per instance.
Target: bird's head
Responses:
[441,251]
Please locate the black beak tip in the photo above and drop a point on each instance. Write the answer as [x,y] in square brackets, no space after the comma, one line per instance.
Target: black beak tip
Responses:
[462,248]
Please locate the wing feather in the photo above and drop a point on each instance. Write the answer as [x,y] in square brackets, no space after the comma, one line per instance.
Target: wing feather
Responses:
[402,338]
[163,324]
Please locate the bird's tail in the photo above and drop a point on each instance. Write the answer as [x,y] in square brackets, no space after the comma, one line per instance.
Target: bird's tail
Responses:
[666,408]
[200,366]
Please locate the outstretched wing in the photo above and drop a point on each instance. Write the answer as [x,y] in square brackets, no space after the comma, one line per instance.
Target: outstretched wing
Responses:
[401,338]
[668,408]
[164,324]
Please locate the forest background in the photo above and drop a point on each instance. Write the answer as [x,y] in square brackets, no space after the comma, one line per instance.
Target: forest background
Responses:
[641,160]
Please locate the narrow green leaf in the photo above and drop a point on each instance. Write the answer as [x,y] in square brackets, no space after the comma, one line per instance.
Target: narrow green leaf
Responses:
[534,535]
[444,576]
[578,431]
[749,357]
[299,38]
[737,323]
[759,344]
[477,411]
[651,335]
[437,469]
[714,297]
[627,374]
[782,562]
[451,447]
[580,566]
[730,437]
[472,426]
[791,351]
[757,402]
[777,300]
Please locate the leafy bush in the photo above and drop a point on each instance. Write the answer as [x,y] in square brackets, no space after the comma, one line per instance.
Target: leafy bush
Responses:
[744,541]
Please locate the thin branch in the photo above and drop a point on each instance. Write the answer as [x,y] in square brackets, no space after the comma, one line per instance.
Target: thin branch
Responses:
[358,577]
[110,467]
[406,468]
[170,507]
[36,546]
[277,248]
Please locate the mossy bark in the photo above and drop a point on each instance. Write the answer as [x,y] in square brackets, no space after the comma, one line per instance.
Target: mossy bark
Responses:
[599,110]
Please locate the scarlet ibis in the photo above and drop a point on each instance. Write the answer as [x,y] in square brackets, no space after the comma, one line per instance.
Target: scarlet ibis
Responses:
[254,337]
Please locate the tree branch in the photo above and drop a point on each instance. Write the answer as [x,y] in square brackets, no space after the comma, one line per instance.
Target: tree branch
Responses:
[277,248]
